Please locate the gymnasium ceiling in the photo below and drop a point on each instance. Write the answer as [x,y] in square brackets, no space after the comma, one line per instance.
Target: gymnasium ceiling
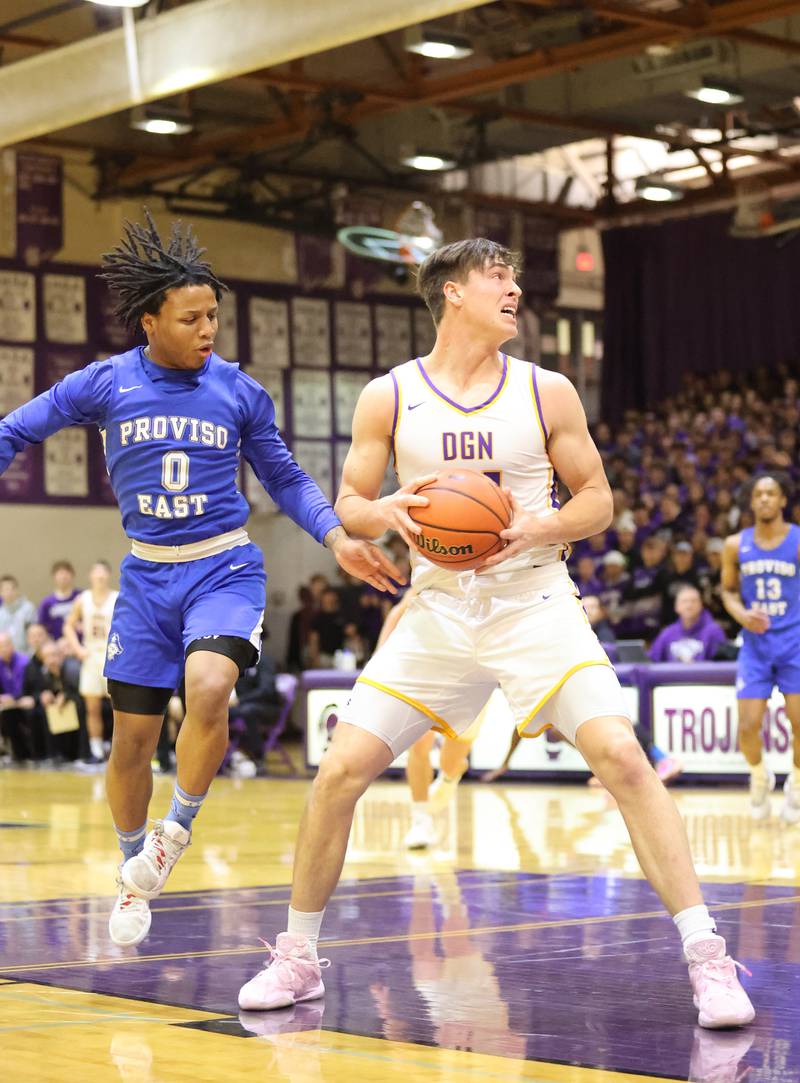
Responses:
[553,92]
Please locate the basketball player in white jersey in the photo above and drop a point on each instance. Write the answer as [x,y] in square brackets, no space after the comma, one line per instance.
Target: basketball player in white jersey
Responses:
[517,622]
[429,795]
[91,613]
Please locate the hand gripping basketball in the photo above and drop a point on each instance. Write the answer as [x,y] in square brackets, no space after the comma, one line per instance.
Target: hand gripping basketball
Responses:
[460,525]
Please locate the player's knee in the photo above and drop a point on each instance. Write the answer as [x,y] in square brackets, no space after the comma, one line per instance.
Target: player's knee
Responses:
[339,779]
[208,697]
[130,746]
[622,763]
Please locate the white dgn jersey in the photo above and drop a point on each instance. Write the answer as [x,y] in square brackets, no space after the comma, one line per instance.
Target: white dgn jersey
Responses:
[96,620]
[504,437]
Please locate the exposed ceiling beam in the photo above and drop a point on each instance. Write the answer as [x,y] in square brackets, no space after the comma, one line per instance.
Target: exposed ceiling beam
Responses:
[448,90]
[205,42]
[765,41]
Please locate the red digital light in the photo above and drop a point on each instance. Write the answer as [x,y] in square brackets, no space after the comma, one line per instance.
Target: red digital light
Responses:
[584,260]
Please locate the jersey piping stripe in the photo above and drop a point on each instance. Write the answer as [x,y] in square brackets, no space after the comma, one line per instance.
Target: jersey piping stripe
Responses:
[438,723]
[395,420]
[538,402]
[468,410]
[529,717]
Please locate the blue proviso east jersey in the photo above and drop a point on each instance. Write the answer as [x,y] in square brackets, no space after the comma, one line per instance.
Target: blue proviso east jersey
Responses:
[173,441]
[770,583]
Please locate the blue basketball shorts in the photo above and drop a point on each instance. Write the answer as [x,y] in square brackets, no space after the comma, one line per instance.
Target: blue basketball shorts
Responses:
[162,608]
[766,662]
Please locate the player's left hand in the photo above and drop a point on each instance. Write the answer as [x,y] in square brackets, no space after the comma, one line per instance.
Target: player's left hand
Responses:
[526,531]
[366,561]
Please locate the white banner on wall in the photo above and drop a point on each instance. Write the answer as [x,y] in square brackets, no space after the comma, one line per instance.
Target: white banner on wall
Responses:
[698,725]
[17,306]
[16,377]
[64,308]
[66,463]
[269,335]
[347,386]
[311,403]
[311,332]
[353,330]
[315,458]
[393,332]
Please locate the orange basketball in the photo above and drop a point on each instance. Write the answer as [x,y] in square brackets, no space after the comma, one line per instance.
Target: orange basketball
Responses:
[461,525]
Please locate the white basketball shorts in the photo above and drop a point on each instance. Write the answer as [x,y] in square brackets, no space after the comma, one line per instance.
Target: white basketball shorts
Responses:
[92,682]
[451,650]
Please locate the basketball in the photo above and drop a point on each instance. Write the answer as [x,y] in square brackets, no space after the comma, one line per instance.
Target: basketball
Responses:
[461,525]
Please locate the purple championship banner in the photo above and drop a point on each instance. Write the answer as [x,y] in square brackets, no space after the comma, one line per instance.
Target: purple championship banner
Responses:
[689,711]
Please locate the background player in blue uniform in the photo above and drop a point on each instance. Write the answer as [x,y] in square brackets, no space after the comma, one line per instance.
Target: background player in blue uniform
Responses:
[761,590]
[175,419]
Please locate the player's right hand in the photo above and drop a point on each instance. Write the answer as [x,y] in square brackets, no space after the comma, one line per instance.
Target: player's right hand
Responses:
[757,622]
[394,508]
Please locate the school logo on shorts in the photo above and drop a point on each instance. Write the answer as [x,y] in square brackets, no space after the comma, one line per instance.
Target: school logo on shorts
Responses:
[114,647]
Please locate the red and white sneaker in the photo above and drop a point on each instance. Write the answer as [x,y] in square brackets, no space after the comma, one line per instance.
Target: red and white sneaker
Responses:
[130,919]
[291,975]
[146,873]
[718,994]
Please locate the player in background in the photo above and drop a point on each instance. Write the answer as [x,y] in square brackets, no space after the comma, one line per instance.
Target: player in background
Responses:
[517,622]
[176,420]
[761,590]
[91,616]
[430,795]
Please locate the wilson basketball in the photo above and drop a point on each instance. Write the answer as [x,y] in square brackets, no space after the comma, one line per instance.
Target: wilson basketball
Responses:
[461,525]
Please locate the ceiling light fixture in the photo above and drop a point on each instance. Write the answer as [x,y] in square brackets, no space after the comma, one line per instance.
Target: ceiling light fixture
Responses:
[159,120]
[714,92]
[436,44]
[119,3]
[657,190]
[428,161]
[705,135]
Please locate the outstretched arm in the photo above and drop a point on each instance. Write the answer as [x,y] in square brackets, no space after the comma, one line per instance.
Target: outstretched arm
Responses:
[299,495]
[79,399]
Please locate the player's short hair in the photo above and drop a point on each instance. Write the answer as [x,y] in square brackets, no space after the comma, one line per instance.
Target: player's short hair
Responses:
[9,579]
[103,564]
[453,262]
[780,478]
[62,566]
[141,269]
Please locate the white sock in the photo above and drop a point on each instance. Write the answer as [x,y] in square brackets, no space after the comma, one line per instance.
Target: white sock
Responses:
[420,809]
[759,771]
[694,923]
[96,747]
[307,925]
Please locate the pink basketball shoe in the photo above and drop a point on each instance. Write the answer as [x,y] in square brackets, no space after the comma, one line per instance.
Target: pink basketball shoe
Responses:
[718,993]
[291,975]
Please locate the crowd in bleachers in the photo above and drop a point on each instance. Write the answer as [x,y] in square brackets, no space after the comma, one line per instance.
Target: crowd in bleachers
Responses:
[680,477]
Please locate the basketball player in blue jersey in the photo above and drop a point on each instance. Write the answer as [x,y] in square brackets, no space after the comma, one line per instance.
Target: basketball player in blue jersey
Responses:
[761,590]
[518,622]
[175,420]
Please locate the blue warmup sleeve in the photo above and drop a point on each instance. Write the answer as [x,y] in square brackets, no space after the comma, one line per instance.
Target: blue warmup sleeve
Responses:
[79,399]
[262,446]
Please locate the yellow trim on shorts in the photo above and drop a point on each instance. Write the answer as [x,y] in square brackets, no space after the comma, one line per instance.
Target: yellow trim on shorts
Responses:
[552,692]
[439,724]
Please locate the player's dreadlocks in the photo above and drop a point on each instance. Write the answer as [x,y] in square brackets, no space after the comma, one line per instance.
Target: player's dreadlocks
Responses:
[140,269]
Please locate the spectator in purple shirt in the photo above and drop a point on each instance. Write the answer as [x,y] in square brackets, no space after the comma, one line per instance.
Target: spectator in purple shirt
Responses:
[12,715]
[56,606]
[694,637]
